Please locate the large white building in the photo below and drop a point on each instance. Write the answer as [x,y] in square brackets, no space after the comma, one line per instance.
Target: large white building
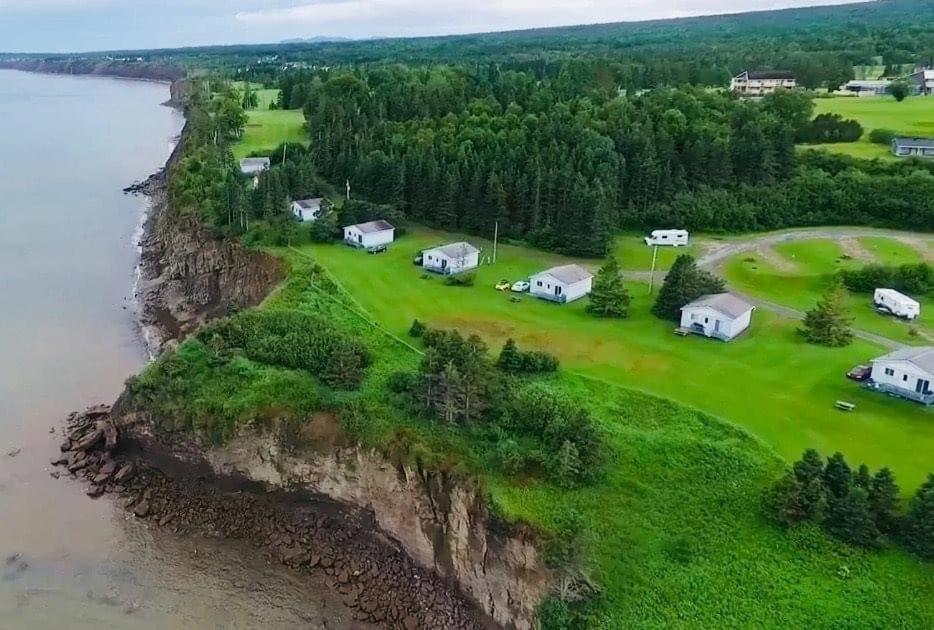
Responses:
[452,258]
[369,235]
[562,284]
[760,83]
[720,315]
[922,82]
[908,373]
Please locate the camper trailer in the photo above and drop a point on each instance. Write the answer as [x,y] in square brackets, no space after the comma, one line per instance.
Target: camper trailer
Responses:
[670,238]
[896,303]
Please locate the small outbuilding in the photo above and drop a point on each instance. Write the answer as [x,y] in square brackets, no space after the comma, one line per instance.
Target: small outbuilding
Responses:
[896,303]
[452,258]
[668,238]
[908,373]
[720,315]
[913,147]
[253,167]
[562,284]
[370,235]
[307,209]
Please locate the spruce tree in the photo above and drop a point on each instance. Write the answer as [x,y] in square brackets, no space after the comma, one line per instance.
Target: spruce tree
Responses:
[828,323]
[809,467]
[851,520]
[567,470]
[510,359]
[609,297]
[883,500]
[918,532]
[784,503]
[837,476]
[685,282]
[863,478]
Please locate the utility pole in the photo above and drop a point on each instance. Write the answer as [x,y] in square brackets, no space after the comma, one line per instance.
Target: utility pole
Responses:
[348,190]
[652,277]
[284,147]
[495,239]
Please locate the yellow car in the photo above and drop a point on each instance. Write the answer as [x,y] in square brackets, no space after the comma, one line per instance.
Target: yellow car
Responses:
[503,285]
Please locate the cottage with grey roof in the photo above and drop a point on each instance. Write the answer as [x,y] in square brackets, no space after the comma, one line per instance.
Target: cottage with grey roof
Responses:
[307,209]
[720,315]
[908,373]
[252,167]
[913,147]
[451,258]
[562,284]
[370,235]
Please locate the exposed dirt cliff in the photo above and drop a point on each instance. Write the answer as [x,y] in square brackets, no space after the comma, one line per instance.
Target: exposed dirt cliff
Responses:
[150,71]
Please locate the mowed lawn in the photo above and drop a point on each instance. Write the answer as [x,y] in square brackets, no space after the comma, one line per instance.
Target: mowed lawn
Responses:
[267,128]
[808,269]
[769,381]
[634,255]
[912,117]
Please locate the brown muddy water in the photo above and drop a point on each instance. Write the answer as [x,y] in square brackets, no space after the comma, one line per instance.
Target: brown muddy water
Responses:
[68,339]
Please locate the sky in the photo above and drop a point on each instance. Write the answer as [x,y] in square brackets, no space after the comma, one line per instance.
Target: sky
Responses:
[89,25]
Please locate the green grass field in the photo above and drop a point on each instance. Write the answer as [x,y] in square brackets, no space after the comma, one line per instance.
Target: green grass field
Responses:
[769,382]
[266,129]
[674,531]
[913,117]
[634,255]
[812,265]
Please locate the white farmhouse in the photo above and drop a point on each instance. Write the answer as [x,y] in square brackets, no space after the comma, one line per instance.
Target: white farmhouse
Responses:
[908,373]
[369,235]
[670,238]
[252,167]
[720,315]
[307,209]
[896,303]
[453,258]
[562,284]
[760,83]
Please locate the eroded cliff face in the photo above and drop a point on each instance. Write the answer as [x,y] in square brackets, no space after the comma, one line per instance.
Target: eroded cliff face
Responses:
[439,520]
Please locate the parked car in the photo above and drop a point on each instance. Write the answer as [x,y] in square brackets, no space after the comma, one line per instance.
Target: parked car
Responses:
[379,249]
[521,287]
[503,285]
[859,373]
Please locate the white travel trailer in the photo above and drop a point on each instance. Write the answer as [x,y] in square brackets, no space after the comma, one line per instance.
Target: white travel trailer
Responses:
[896,303]
[669,238]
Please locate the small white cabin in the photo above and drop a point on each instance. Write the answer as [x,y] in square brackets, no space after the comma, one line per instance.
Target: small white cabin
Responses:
[562,284]
[369,235]
[896,303]
[908,373]
[252,167]
[307,209]
[452,258]
[720,315]
[669,238]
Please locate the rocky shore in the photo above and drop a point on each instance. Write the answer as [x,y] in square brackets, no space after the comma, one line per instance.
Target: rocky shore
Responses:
[374,578]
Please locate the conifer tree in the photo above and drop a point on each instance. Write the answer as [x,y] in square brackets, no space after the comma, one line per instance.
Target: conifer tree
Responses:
[919,521]
[851,520]
[837,476]
[609,297]
[510,359]
[784,502]
[685,282]
[883,500]
[567,469]
[828,324]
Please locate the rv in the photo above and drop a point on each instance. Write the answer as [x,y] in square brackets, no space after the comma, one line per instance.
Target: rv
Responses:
[671,238]
[896,303]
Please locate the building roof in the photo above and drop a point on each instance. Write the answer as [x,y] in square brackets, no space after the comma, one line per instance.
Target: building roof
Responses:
[920,356]
[758,75]
[568,274]
[373,226]
[869,83]
[926,74]
[455,250]
[724,303]
[923,143]
[310,204]
[251,165]
[897,295]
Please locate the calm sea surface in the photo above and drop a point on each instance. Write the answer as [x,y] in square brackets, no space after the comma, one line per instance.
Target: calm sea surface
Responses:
[68,339]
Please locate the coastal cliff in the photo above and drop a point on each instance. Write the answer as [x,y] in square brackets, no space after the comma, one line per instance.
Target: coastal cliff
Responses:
[149,71]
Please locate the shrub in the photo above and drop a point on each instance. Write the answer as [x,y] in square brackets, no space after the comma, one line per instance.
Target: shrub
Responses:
[910,278]
[881,136]
[514,361]
[830,128]
[401,382]
[417,329]
[460,280]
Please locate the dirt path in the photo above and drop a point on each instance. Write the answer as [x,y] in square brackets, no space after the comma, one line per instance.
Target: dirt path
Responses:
[854,249]
[775,260]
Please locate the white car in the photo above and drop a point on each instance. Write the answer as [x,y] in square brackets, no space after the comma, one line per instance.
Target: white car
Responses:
[521,287]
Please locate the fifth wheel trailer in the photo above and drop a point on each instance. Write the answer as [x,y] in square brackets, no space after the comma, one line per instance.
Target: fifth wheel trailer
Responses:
[896,303]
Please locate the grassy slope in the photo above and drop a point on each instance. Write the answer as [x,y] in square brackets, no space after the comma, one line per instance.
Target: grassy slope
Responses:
[267,129]
[815,263]
[770,381]
[914,116]
[674,530]
[634,255]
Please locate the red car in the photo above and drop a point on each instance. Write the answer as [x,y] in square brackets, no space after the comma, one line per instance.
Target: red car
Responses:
[859,373]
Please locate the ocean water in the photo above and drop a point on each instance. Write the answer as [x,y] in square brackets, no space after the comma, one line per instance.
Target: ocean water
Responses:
[69,339]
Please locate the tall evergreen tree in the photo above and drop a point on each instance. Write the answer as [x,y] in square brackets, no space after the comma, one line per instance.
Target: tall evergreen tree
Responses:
[828,324]
[883,500]
[918,533]
[837,476]
[685,282]
[609,297]
[851,520]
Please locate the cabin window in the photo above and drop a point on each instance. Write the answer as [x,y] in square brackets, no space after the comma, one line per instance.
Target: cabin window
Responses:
[706,320]
[889,372]
[905,377]
[539,283]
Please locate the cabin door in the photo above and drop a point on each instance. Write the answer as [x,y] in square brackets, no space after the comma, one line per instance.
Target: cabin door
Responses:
[923,386]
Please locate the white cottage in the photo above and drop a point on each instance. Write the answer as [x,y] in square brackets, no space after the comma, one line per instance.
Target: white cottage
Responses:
[253,167]
[307,209]
[369,235]
[908,373]
[453,258]
[562,284]
[720,315]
